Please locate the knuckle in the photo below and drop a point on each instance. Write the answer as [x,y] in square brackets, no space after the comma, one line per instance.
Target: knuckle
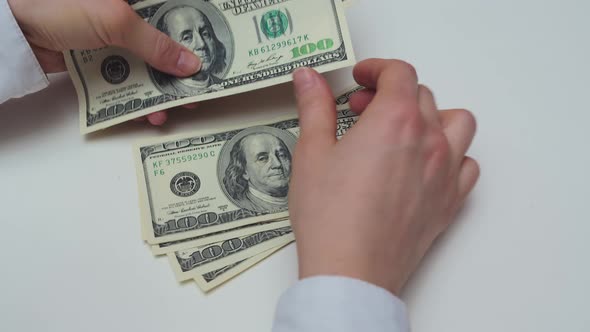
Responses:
[437,145]
[407,111]
[425,92]
[404,68]
[437,154]
[473,166]
[406,124]
[468,120]
[413,126]
[405,117]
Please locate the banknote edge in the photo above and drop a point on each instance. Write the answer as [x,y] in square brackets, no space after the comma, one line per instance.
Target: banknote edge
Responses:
[249,263]
[253,251]
[262,85]
[157,251]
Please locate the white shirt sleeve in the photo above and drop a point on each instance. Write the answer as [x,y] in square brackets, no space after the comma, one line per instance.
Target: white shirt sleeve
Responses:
[20,72]
[324,304]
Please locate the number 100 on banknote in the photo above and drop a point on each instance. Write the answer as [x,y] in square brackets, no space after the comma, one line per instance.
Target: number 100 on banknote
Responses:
[243,45]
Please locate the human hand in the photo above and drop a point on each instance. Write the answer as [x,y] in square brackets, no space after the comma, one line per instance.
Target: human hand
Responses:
[52,27]
[370,205]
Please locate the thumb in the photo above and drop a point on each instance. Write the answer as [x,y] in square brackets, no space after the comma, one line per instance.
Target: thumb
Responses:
[316,107]
[156,48]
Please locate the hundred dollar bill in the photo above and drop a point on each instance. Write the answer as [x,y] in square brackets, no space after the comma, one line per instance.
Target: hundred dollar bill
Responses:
[168,247]
[195,184]
[191,263]
[210,280]
[243,45]
[136,4]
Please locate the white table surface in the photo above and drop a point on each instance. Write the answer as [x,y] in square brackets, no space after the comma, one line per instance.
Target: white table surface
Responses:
[518,258]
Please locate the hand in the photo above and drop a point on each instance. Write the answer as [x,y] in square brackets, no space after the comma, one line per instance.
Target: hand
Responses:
[370,205]
[52,27]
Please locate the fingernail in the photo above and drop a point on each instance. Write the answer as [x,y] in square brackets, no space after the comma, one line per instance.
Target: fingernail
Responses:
[188,63]
[158,118]
[304,80]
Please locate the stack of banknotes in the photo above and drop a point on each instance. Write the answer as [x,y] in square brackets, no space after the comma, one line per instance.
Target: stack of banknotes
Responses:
[215,202]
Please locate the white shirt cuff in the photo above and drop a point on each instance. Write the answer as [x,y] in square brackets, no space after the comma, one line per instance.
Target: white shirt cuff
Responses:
[20,72]
[322,304]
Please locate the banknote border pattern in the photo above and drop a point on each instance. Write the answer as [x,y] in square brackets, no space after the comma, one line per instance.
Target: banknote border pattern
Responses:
[188,264]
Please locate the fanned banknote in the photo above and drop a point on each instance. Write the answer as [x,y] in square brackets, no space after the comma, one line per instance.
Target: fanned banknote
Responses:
[190,263]
[168,247]
[213,279]
[243,45]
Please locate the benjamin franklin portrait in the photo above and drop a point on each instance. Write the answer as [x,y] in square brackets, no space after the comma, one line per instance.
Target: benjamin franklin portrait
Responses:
[199,27]
[258,172]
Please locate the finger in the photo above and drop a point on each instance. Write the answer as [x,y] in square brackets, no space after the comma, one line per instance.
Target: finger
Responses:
[155,47]
[360,100]
[459,127]
[395,81]
[191,106]
[427,106]
[140,119]
[316,107]
[158,118]
[50,61]
[468,176]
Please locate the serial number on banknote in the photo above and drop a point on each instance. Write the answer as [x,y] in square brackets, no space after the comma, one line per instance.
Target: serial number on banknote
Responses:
[243,45]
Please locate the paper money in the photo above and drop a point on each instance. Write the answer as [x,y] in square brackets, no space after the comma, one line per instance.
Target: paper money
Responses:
[243,46]
[213,258]
[191,263]
[210,280]
[201,183]
[137,3]
[168,247]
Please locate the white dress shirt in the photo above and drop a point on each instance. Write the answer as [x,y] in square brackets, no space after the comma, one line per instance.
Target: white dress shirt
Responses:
[339,304]
[20,72]
[319,304]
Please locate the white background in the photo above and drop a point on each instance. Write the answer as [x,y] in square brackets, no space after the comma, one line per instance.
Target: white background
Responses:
[516,260]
